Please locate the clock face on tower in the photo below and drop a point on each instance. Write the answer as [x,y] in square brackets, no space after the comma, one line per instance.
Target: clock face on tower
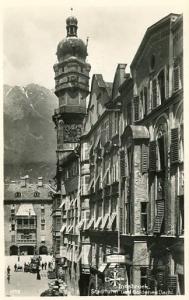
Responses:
[72,133]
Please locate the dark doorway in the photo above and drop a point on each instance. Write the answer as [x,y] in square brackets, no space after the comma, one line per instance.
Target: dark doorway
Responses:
[13,250]
[26,250]
[43,250]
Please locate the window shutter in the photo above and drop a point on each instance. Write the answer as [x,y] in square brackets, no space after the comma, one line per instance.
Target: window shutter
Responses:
[152,156]
[176,78]
[154,92]
[181,72]
[144,158]
[136,108]
[172,284]
[182,133]
[122,163]
[166,82]
[174,145]
[110,126]
[160,216]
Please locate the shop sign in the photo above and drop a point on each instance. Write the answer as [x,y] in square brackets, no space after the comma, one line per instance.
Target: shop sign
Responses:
[116,278]
[85,270]
[116,258]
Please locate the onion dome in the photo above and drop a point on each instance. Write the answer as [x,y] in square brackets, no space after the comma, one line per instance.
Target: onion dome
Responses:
[71,21]
[71,45]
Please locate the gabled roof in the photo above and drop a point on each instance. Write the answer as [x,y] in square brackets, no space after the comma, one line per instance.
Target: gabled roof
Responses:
[107,86]
[27,192]
[169,18]
[119,77]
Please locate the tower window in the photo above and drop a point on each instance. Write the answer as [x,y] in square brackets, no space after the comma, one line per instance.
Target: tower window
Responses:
[12,227]
[17,194]
[36,194]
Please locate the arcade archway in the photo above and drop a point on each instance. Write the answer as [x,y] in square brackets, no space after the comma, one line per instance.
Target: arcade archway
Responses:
[13,250]
[43,250]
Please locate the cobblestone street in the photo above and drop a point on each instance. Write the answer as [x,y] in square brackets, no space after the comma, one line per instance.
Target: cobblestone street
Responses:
[24,284]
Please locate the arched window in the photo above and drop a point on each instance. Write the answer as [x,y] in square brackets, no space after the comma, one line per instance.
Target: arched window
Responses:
[17,194]
[36,194]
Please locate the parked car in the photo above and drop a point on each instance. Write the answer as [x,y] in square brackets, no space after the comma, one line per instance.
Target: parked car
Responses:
[27,268]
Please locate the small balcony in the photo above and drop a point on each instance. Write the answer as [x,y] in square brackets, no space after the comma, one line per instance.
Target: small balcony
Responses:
[75,109]
[24,227]
[26,241]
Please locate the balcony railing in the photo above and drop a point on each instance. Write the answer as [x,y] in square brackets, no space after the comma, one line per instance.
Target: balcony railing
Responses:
[26,241]
[26,226]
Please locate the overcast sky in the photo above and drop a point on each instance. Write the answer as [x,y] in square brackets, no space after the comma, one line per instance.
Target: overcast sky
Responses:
[115,30]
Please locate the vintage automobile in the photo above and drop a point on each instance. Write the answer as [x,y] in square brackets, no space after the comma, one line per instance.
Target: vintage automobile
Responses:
[27,267]
[34,264]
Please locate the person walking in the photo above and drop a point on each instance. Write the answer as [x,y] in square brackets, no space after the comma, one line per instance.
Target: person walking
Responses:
[8,278]
[42,265]
[8,270]
[45,264]
[38,273]
[15,267]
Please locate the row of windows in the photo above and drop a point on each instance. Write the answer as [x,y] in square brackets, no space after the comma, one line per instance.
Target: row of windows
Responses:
[156,93]
[36,194]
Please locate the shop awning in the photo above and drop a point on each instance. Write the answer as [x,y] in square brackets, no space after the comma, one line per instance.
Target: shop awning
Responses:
[111,221]
[70,229]
[80,225]
[26,210]
[62,204]
[105,175]
[90,224]
[97,223]
[90,184]
[67,228]
[79,256]
[104,221]
[102,267]
[63,228]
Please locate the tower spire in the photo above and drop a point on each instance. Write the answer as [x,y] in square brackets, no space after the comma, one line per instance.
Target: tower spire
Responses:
[71,25]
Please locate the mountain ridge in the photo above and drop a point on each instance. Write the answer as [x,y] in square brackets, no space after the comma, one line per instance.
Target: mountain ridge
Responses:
[29,135]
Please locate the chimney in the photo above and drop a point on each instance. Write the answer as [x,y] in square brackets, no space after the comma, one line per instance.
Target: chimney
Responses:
[23,181]
[40,181]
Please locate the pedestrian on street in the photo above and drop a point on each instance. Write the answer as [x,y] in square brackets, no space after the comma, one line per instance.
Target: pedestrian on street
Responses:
[15,268]
[45,264]
[49,265]
[8,270]
[38,273]
[42,265]
[8,278]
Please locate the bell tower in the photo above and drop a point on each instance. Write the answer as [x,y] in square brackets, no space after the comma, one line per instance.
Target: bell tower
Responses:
[71,88]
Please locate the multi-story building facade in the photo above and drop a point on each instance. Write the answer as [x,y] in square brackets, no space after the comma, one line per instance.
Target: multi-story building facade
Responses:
[152,145]
[71,88]
[27,217]
[130,187]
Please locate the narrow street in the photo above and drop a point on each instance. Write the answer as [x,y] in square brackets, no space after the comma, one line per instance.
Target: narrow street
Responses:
[25,284]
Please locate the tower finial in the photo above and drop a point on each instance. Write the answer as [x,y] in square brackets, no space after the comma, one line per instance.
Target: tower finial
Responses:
[87,40]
